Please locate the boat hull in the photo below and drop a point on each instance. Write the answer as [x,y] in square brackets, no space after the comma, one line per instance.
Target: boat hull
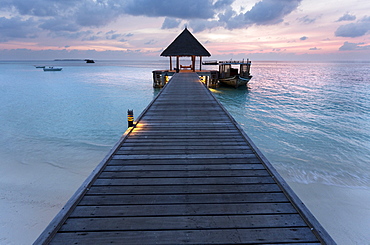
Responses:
[235,81]
[52,69]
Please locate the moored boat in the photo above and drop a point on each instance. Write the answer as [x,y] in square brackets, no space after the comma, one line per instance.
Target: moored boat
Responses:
[52,68]
[210,62]
[231,75]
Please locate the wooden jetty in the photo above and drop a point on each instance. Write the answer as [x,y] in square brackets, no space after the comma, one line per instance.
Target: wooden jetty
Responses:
[186,173]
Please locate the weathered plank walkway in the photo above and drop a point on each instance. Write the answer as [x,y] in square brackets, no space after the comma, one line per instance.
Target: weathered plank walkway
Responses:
[186,174]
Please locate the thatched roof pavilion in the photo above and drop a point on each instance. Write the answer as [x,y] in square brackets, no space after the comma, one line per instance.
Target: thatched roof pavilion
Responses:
[185,45]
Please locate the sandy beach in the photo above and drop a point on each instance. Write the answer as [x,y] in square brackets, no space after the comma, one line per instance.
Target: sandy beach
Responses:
[30,203]
[334,208]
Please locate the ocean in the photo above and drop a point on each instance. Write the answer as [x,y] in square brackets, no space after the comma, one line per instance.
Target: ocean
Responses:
[310,119]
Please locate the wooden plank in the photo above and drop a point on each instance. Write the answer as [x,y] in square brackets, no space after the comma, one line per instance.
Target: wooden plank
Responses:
[188,161]
[208,124]
[202,134]
[187,124]
[183,222]
[189,167]
[217,144]
[164,151]
[182,209]
[182,189]
[184,131]
[196,137]
[184,156]
[185,181]
[184,174]
[97,200]
[138,146]
[188,141]
[230,236]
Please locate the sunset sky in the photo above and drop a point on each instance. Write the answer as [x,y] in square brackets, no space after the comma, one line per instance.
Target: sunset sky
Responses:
[122,29]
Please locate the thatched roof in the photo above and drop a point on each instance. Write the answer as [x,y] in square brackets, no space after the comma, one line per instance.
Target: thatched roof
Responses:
[185,44]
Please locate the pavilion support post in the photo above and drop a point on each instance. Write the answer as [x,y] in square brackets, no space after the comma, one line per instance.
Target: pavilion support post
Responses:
[177,63]
[193,62]
[170,63]
[200,63]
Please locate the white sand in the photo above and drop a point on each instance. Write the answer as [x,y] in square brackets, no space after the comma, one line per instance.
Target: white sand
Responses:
[344,212]
[31,195]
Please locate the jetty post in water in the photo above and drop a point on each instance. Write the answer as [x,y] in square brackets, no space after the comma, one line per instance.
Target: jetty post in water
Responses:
[185,173]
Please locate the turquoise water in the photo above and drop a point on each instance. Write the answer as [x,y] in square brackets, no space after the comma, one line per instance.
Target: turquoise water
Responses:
[311,120]
[82,106]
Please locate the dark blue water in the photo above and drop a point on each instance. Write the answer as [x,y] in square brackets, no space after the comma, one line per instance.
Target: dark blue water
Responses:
[311,120]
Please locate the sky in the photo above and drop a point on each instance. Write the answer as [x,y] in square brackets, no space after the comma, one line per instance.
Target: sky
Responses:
[287,30]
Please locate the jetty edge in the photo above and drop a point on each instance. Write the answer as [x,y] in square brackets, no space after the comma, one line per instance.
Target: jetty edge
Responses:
[186,173]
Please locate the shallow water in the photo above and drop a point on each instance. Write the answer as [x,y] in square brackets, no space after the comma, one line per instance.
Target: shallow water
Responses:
[311,120]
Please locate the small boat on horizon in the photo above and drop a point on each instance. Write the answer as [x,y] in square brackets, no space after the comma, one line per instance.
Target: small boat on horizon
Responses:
[52,68]
[40,66]
[210,62]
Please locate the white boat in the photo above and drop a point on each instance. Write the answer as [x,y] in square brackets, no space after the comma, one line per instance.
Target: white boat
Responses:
[210,62]
[52,68]
[234,76]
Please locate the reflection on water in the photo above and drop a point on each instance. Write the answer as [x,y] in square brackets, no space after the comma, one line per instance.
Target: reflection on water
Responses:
[311,120]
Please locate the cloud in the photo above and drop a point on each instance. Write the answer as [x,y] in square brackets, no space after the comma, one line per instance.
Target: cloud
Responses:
[358,29]
[84,35]
[97,13]
[201,25]
[181,9]
[222,4]
[346,17]
[306,20]
[229,19]
[40,8]
[267,12]
[74,15]
[264,12]
[303,38]
[70,17]
[347,46]
[112,35]
[16,28]
[315,48]
[150,42]
[59,24]
[170,23]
